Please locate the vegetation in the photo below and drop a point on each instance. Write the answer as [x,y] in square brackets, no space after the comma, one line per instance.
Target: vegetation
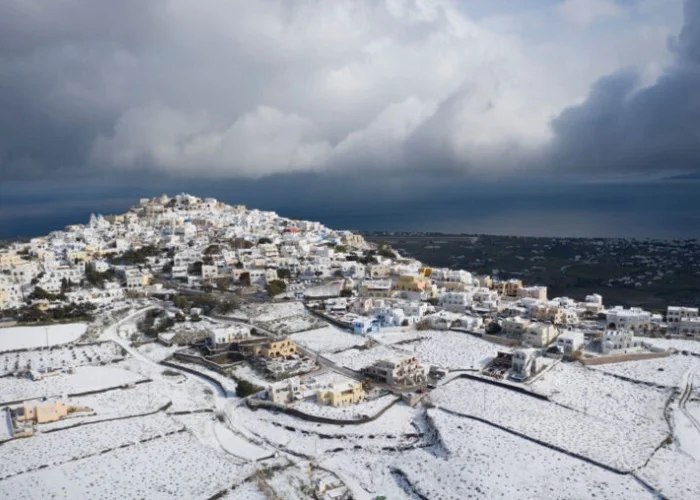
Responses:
[275,287]
[181,302]
[138,255]
[346,292]
[493,328]
[244,279]
[245,389]
[226,306]
[223,283]
[284,274]
[264,240]
[98,279]
[41,294]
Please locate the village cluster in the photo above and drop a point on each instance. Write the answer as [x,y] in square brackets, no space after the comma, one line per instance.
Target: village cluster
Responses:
[304,356]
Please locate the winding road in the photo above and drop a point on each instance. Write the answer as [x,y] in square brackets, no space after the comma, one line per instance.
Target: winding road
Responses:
[687,392]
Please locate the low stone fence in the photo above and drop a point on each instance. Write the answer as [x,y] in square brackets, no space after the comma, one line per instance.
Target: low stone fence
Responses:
[618,358]
[191,358]
[332,321]
[192,371]
[503,385]
[501,340]
[258,403]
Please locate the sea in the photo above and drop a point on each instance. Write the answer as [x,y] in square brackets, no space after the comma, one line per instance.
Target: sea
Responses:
[668,209]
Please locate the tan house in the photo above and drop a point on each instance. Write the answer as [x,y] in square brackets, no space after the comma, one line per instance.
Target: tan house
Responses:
[43,414]
[280,347]
[345,393]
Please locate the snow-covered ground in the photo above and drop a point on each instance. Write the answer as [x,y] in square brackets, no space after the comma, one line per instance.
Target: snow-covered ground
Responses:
[445,349]
[284,317]
[484,462]
[678,344]
[329,339]
[245,372]
[59,357]
[55,448]
[249,490]
[355,359]
[143,398]
[454,350]
[172,467]
[353,412]
[24,337]
[667,371]
[673,473]
[310,438]
[617,444]
[157,352]
[85,378]
[604,397]
[393,335]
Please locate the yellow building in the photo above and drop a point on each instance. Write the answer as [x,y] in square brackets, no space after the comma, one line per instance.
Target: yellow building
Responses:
[512,287]
[376,288]
[10,259]
[414,283]
[341,394]
[4,298]
[277,348]
[42,414]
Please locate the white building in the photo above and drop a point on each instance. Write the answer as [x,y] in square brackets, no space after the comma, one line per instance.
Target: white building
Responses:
[634,318]
[523,365]
[619,340]
[689,326]
[398,371]
[674,314]
[540,334]
[286,391]
[533,292]
[455,301]
[570,341]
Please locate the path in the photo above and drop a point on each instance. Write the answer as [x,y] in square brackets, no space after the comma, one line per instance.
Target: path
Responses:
[687,392]
[229,439]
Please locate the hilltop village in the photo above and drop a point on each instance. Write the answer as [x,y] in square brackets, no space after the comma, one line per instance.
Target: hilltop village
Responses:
[292,360]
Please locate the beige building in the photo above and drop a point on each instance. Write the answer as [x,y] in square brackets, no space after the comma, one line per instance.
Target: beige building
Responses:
[344,393]
[540,334]
[353,240]
[398,371]
[286,391]
[277,348]
[42,414]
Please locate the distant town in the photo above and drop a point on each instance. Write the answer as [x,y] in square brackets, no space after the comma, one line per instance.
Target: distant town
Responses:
[279,358]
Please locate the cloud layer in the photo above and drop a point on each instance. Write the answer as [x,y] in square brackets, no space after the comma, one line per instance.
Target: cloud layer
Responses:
[233,88]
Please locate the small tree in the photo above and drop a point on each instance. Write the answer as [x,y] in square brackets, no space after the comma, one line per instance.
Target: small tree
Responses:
[338,273]
[245,389]
[223,283]
[284,274]
[275,287]
[181,302]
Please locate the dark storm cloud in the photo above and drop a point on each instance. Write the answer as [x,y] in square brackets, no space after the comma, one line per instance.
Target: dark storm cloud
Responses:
[623,128]
[238,89]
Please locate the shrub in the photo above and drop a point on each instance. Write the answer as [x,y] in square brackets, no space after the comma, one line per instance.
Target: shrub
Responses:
[245,389]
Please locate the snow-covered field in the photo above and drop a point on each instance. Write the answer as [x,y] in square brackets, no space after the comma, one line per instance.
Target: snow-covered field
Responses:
[85,378]
[394,335]
[356,359]
[484,462]
[674,474]
[245,372]
[55,448]
[246,491]
[157,352]
[454,350]
[446,349]
[59,357]
[284,317]
[143,398]
[604,397]
[667,371]
[353,412]
[678,344]
[310,438]
[617,444]
[173,467]
[329,339]
[24,337]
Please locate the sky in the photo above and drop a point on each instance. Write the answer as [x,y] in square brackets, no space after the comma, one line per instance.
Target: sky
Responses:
[284,101]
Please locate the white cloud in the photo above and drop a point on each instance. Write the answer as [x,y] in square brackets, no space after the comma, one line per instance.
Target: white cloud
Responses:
[239,88]
[585,12]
